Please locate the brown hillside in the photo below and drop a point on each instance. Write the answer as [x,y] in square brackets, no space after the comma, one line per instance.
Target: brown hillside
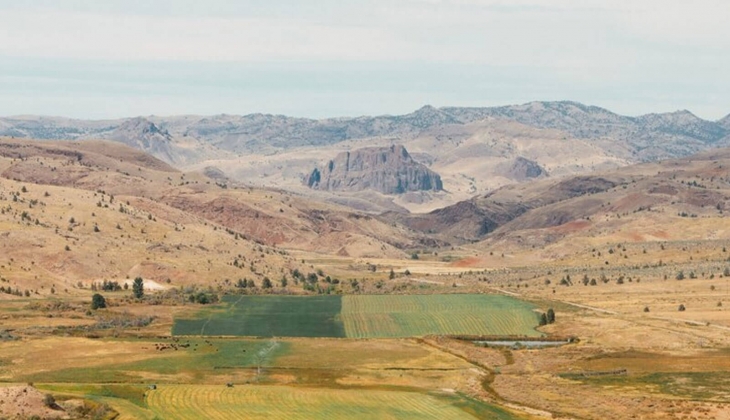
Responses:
[690,188]
[266,216]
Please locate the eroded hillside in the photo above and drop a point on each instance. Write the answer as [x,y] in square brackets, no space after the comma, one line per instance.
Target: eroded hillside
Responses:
[89,211]
[475,150]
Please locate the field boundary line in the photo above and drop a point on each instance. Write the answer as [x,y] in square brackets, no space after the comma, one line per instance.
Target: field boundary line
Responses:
[505,292]
[426,281]
[577,305]
[689,321]
[592,308]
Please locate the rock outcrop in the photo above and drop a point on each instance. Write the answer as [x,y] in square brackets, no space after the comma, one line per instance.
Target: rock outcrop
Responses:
[142,134]
[389,170]
[522,169]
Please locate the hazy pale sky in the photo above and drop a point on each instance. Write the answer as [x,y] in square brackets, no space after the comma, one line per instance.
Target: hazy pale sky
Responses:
[318,58]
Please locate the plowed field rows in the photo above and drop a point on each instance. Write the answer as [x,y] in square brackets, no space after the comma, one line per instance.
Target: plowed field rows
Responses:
[279,402]
[364,316]
[418,315]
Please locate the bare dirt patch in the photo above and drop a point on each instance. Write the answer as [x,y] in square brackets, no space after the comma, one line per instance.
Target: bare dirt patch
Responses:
[25,402]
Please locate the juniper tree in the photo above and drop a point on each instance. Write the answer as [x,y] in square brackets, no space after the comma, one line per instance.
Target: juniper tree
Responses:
[98,302]
[138,288]
[550,316]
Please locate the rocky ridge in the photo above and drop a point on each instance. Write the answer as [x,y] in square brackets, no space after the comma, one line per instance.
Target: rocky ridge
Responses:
[649,137]
[389,170]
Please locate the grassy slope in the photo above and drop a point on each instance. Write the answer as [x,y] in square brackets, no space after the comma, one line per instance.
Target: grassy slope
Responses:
[191,381]
[195,363]
[65,238]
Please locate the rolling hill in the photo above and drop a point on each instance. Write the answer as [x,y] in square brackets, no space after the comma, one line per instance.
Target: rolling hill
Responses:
[472,149]
[643,202]
[70,210]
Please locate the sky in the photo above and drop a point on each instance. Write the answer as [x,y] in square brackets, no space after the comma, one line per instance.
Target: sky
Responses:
[327,58]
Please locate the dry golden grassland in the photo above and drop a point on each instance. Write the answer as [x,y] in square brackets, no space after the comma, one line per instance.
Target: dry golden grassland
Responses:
[675,361]
[336,375]
[63,239]
[626,317]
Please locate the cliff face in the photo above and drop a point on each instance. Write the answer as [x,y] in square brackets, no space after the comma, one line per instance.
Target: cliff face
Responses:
[143,134]
[521,169]
[389,170]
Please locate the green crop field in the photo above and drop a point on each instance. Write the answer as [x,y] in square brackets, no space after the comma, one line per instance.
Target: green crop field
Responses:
[197,361]
[269,316]
[364,316]
[417,315]
[281,402]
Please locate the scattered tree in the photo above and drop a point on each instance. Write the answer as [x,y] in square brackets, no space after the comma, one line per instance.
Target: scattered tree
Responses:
[203,298]
[138,288]
[550,316]
[98,302]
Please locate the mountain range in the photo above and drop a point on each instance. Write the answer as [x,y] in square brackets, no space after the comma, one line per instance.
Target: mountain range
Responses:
[473,150]
[650,136]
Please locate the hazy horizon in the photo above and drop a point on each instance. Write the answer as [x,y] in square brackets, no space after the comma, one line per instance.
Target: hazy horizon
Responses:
[114,59]
[344,116]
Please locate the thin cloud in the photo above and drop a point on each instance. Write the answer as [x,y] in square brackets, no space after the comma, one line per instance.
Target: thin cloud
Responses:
[652,52]
[102,36]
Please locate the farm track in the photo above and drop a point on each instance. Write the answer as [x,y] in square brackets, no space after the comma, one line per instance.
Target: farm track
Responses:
[688,321]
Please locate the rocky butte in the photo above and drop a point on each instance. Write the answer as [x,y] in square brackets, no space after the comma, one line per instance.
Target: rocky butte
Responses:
[389,170]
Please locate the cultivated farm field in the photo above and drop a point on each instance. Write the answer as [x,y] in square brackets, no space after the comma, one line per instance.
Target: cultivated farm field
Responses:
[264,402]
[268,316]
[289,378]
[419,315]
[364,316]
